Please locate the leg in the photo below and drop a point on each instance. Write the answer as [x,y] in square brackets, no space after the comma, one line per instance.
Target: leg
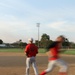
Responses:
[50,67]
[34,66]
[27,66]
[63,67]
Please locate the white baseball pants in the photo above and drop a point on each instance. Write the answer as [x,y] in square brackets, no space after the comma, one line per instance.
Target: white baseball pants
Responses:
[63,65]
[31,60]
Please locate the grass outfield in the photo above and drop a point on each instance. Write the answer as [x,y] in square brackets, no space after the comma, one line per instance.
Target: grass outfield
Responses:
[18,50]
[71,52]
[11,50]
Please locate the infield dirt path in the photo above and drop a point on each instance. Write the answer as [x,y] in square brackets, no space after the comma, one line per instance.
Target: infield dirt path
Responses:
[14,64]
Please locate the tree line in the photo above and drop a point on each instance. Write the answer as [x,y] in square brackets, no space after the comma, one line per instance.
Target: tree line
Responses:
[43,43]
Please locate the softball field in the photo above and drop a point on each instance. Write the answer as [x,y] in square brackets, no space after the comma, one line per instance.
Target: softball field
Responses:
[14,64]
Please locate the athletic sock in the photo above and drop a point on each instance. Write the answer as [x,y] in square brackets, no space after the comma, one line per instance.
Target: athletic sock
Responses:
[62,73]
[43,73]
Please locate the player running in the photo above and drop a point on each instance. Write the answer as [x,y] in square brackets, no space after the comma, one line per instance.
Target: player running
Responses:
[54,59]
[31,50]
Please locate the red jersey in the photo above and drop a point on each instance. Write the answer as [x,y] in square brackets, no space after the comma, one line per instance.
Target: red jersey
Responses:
[54,51]
[54,54]
[31,50]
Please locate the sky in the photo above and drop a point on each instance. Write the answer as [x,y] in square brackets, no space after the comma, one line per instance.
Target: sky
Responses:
[19,18]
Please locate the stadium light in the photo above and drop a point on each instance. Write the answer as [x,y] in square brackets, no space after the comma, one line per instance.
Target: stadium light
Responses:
[38,25]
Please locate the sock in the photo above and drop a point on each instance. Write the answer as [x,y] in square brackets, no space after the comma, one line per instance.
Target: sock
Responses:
[62,73]
[43,73]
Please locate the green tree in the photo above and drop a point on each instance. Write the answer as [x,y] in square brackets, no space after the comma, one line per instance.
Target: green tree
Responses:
[72,45]
[45,37]
[1,42]
[45,41]
[66,43]
[22,44]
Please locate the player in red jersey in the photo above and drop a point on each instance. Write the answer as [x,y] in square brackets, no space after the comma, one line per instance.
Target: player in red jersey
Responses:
[54,59]
[31,50]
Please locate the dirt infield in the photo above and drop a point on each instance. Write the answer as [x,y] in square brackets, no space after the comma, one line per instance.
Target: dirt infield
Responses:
[14,64]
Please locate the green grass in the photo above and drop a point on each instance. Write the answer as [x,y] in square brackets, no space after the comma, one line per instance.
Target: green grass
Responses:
[71,52]
[12,50]
[18,50]
[41,50]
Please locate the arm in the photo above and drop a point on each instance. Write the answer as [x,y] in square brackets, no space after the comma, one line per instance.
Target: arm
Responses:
[51,53]
[26,51]
[52,45]
[51,49]
[36,50]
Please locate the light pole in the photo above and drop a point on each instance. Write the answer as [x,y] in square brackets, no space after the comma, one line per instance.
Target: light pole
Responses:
[38,25]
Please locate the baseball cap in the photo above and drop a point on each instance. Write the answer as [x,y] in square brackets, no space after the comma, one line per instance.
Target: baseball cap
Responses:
[30,39]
